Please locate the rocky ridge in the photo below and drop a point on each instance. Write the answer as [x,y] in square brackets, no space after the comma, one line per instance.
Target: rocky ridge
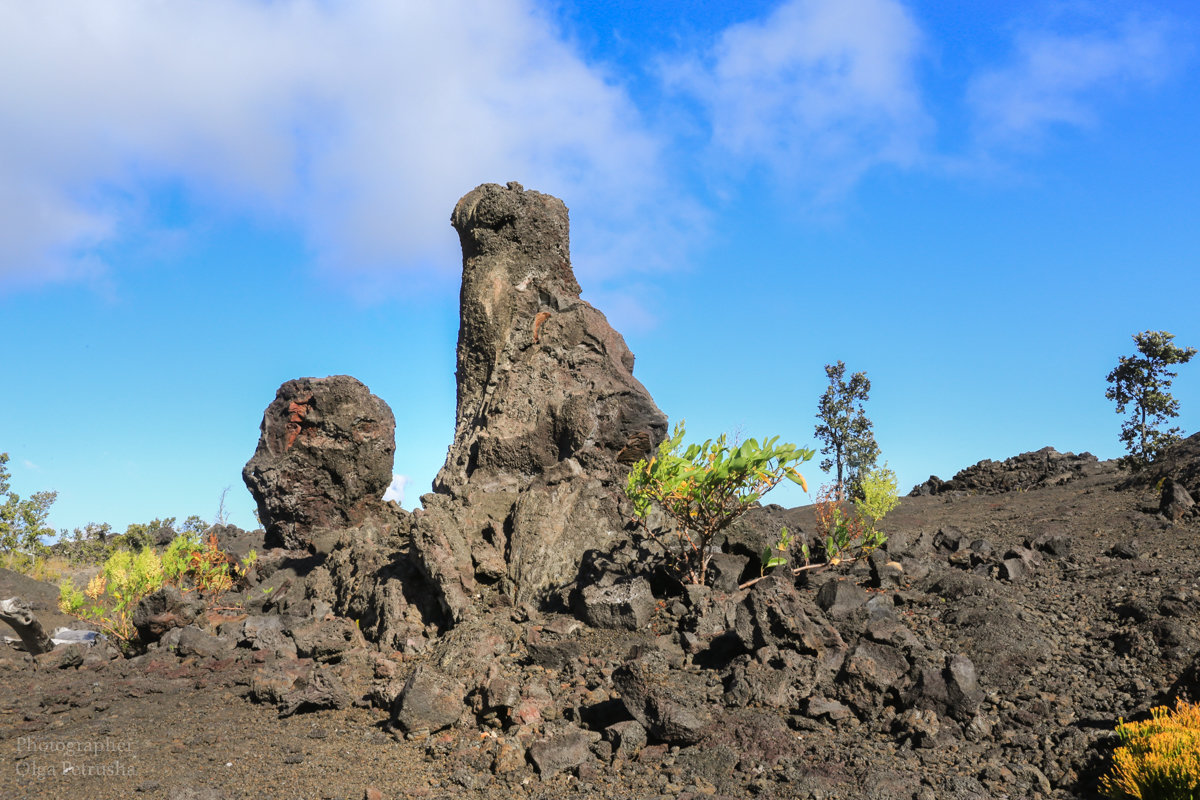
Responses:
[1045,467]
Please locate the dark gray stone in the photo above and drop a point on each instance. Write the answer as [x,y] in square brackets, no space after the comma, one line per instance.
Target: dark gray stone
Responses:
[841,598]
[298,685]
[164,609]
[266,632]
[549,415]
[429,701]
[818,707]
[1056,544]
[885,573]
[963,694]
[316,690]
[773,614]
[502,693]
[1129,549]
[673,711]
[563,750]
[725,571]
[326,640]
[871,669]
[1175,502]
[626,604]
[195,642]
[952,691]
[628,738]
[1014,569]
[324,459]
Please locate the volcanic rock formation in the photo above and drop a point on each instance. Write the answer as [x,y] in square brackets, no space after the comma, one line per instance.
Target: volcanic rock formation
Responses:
[549,414]
[549,419]
[1178,473]
[1045,467]
[324,459]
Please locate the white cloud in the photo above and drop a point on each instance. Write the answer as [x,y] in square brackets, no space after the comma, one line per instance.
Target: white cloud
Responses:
[396,490]
[1060,78]
[359,122]
[821,90]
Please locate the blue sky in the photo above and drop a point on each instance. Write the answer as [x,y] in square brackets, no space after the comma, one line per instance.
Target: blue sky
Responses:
[976,204]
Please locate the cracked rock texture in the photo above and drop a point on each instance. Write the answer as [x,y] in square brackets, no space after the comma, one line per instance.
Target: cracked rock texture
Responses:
[549,415]
[324,459]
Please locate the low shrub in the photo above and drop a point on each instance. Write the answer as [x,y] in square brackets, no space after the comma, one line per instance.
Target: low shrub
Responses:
[40,567]
[842,536]
[188,562]
[1158,759]
[705,487]
[113,594]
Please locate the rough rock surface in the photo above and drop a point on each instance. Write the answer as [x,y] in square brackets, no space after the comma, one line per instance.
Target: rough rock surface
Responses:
[324,459]
[1179,472]
[163,610]
[954,681]
[549,414]
[1045,467]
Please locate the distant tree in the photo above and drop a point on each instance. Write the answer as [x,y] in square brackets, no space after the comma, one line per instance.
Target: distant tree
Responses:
[845,429]
[22,522]
[139,535]
[194,524]
[91,544]
[1142,384]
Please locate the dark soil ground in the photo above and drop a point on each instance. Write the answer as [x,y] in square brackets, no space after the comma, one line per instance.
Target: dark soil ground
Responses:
[1104,625]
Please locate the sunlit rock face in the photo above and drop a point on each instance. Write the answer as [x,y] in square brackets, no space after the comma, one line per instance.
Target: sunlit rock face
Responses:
[324,459]
[549,415]
[549,419]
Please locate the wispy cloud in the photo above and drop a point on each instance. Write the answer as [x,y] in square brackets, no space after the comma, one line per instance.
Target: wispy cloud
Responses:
[1065,78]
[820,90]
[360,123]
[395,490]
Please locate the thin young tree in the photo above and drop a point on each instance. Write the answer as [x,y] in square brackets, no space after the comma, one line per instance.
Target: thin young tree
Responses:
[845,430]
[22,522]
[1142,385]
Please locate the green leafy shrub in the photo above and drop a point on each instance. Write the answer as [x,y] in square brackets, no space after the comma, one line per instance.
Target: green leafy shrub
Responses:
[113,594]
[1158,759]
[188,562]
[878,494]
[194,562]
[703,488]
[843,537]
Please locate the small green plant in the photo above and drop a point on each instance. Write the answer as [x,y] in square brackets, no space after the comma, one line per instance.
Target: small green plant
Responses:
[703,488]
[773,556]
[192,562]
[1158,759]
[188,562]
[879,495]
[113,594]
[843,537]
[177,558]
